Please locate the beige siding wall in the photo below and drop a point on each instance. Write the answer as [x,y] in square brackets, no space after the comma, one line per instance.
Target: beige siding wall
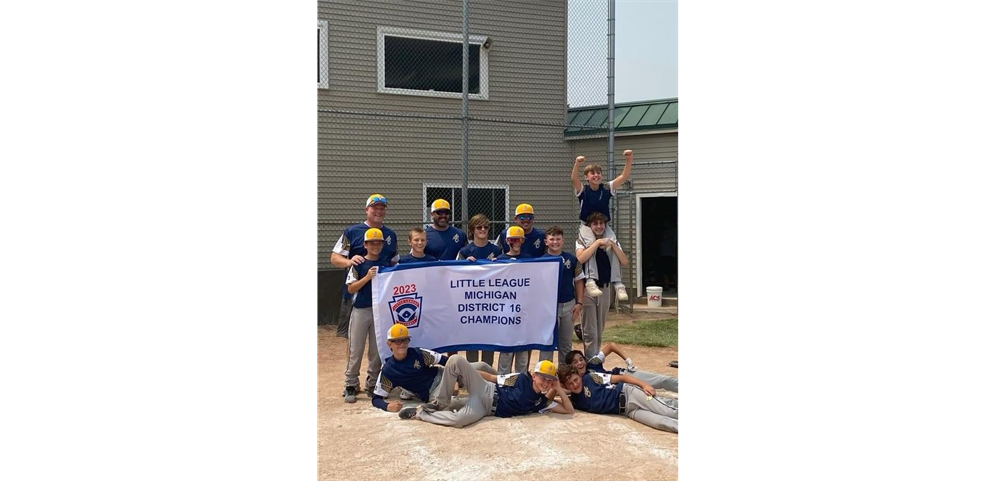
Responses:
[394,156]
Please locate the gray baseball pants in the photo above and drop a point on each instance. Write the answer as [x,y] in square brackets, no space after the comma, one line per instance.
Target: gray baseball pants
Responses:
[564,332]
[593,325]
[658,381]
[656,412]
[521,361]
[478,403]
[360,332]
[345,312]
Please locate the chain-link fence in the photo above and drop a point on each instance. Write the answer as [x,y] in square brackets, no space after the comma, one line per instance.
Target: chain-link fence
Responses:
[649,230]
[394,118]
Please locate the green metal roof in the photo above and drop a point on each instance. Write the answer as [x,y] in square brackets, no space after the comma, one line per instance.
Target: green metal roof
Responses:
[630,116]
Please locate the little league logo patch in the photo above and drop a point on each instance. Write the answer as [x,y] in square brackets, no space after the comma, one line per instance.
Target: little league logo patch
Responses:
[406,309]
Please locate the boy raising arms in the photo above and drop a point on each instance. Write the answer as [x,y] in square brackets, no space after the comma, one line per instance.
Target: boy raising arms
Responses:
[418,240]
[594,197]
[569,293]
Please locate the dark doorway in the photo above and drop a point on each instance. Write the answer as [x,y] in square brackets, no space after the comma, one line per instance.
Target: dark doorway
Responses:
[659,242]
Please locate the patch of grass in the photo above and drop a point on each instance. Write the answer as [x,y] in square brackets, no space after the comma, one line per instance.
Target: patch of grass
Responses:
[655,333]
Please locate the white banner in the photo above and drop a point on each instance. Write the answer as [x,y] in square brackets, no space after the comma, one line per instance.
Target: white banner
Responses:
[461,305]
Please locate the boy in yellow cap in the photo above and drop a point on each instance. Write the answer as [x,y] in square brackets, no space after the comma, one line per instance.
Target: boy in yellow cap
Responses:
[520,358]
[349,251]
[534,242]
[502,396]
[412,368]
[516,236]
[359,283]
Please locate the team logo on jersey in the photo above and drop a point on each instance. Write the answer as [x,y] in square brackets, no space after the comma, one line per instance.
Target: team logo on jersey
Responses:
[427,357]
[388,240]
[587,391]
[537,243]
[406,309]
[456,238]
[417,364]
[566,263]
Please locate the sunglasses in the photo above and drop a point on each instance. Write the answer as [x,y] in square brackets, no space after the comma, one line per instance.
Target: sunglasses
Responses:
[482,227]
[526,217]
[443,212]
[401,341]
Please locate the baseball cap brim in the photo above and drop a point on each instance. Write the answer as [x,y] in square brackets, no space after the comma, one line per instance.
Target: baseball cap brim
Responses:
[547,376]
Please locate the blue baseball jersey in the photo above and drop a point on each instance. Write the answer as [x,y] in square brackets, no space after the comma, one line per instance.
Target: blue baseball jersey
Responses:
[445,244]
[570,270]
[364,297]
[409,258]
[592,201]
[415,373]
[351,244]
[489,251]
[506,257]
[598,395]
[516,396]
[534,244]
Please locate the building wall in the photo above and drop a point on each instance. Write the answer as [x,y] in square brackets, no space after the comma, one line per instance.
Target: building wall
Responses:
[651,178]
[362,154]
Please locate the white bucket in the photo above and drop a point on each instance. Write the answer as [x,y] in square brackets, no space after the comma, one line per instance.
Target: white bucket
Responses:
[654,296]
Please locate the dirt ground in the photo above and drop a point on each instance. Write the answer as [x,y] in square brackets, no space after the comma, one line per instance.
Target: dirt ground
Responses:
[359,441]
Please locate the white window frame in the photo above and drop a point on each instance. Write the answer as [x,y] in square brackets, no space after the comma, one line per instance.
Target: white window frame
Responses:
[323,29]
[430,35]
[426,215]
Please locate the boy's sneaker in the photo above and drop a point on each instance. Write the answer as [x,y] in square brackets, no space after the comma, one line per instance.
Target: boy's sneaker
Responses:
[620,293]
[430,407]
[350,394]
[408,412]
[406,395]
[591,288]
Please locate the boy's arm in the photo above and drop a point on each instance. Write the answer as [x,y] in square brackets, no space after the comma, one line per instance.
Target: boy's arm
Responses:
[356,286]
[487,376]
[564,406]
[579,306]
[616,378]
[611,347]
[622,259]
[574,172]
[625,171]
[585,253]
[342,262]
[393,406]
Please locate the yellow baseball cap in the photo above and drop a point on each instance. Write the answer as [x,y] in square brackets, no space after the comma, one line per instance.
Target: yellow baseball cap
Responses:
[440,204]
[545,369]
[524,209]
[515,232]
[376,199]
[373,234]
[398,332]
